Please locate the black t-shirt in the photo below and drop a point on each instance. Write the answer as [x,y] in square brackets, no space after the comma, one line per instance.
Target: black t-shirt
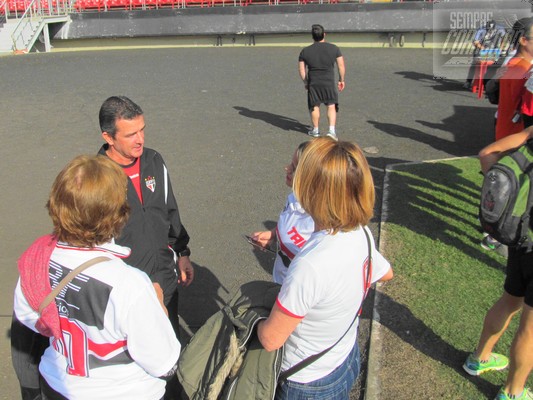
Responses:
[320,59]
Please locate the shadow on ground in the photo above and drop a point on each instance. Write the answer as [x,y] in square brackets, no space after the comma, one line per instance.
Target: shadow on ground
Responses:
[416,333]
[426,211]
[462,143]
[203,294]
[276,120]
[439,84]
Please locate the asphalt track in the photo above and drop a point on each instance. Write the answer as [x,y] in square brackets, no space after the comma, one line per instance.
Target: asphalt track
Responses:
[226,121]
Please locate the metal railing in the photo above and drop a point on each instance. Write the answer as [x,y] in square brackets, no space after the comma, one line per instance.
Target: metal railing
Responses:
[27,26]
[32,20]
[3,12]
[13,8]
[107,5]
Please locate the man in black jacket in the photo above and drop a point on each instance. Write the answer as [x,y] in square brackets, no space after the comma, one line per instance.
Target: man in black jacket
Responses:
[154,232]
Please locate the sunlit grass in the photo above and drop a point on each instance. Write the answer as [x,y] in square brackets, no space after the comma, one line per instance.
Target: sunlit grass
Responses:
[448,281]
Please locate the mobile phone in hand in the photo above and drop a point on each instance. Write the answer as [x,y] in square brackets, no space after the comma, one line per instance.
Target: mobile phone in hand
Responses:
[255,244]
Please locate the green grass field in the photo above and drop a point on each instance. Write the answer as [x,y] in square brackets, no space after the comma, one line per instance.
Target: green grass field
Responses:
[442,275]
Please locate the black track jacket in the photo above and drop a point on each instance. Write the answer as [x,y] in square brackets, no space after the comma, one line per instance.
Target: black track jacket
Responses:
[154,232]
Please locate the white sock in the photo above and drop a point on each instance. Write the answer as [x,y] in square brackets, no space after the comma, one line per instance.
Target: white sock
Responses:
[332,129]
[315,129]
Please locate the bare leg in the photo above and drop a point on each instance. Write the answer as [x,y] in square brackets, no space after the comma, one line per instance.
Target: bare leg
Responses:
[332,115]
[521,359]
[315,117]
[496,322]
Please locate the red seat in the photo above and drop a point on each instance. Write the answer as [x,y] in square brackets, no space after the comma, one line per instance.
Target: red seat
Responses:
[125,4]
[163,3]
[224,2]
[196,3]
[17,5]
[151,3]
[90,4]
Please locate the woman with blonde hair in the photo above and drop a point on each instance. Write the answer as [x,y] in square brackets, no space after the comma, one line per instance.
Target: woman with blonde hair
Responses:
[109,335]
[327,281]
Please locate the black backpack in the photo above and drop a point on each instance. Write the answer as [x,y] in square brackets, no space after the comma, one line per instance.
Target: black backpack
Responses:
[492,91]
[507,199]
[492,82]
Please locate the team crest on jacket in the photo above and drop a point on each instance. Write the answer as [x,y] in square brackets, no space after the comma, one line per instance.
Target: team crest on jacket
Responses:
[150,183]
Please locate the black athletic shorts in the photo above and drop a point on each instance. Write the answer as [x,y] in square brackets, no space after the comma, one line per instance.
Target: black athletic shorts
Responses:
[519,281]
[322,94]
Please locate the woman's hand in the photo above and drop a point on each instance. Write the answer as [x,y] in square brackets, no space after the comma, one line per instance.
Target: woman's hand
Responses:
[263,238]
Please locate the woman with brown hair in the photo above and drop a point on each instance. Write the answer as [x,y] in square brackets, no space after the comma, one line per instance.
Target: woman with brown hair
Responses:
[325,283]
[109,335]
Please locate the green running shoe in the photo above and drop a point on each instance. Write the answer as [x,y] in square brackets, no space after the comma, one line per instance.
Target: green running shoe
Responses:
[526,395]
[489,243]
[495,362]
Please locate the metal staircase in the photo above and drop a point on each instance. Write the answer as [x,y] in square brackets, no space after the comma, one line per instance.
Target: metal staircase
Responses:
[19,31]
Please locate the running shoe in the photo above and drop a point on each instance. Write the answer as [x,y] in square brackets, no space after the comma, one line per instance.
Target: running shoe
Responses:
[526,395]
[313,133]
[495,362]
[489,243]
[332,135]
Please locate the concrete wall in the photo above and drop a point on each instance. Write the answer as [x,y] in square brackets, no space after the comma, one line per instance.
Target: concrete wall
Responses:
[253,19]
[410,16]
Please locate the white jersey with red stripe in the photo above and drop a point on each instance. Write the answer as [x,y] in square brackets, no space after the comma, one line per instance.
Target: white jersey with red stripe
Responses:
[324,286]
[295,226]
[116,340]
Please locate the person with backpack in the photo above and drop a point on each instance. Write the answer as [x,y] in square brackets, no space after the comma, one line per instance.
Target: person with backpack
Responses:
[512,79]
[507,87]
[517,296]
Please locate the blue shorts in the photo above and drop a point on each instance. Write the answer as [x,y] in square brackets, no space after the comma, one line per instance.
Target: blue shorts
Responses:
[335,386]
[519,280]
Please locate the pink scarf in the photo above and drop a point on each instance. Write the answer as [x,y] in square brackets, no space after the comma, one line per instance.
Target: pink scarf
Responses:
[33,267]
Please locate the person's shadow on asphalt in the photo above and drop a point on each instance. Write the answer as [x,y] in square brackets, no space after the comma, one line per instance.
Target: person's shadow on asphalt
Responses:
[199,301]
[439,84]
[279,121]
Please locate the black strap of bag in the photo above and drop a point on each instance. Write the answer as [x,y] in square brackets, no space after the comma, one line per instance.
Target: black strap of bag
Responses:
[311,359]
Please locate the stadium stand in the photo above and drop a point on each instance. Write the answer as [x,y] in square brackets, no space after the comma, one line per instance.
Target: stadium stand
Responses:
[105,5]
